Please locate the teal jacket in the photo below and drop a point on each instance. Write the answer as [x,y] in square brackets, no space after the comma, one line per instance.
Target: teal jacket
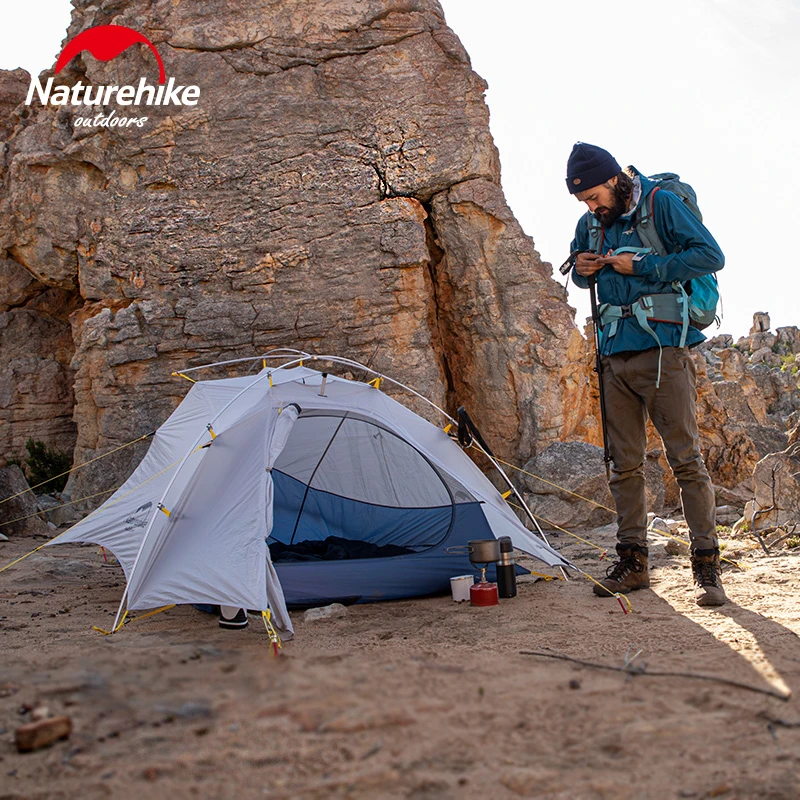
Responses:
[692,253]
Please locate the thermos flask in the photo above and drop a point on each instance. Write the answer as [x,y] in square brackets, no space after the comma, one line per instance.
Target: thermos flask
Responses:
[506,569]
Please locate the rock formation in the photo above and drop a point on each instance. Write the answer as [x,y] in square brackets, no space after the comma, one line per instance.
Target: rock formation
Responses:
[748,408]
[776,491]
[18,512]
[335,189]
[569,472]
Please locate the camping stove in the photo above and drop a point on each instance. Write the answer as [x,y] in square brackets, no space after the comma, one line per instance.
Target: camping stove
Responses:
[483,593]
[481,553]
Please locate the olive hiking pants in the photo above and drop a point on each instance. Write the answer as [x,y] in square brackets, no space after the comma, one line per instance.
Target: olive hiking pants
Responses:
[629,380]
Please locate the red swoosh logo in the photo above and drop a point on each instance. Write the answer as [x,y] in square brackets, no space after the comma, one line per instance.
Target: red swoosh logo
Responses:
[105,42]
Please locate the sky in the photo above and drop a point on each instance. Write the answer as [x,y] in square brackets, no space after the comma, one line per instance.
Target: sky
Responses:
[709,89]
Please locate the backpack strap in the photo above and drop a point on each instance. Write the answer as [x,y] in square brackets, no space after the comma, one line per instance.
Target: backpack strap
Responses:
[596,232]
[684,302]
[646,225]
[648,233]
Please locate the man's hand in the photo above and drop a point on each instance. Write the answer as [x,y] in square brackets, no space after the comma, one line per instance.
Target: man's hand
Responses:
[587,264]
[622,264]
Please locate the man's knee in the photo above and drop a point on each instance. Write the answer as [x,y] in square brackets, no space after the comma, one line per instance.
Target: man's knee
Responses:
[625,470]
[689,468]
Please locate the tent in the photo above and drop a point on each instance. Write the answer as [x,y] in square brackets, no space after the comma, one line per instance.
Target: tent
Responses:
[306,461]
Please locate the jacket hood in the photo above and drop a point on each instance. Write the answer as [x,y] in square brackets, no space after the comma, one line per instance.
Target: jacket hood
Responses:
[646,184]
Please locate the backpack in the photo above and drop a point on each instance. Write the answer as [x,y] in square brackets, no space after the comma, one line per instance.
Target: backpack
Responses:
[702,294]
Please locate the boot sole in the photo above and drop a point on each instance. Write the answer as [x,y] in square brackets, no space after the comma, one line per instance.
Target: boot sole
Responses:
[710,601]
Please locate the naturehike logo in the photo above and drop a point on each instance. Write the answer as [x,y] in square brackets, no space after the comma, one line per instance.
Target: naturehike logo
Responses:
[106,42]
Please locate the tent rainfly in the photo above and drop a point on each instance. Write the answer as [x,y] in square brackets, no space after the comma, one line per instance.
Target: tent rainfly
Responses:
[306,462]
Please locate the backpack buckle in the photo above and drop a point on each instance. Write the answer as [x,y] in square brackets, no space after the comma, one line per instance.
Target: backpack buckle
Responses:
[625,312]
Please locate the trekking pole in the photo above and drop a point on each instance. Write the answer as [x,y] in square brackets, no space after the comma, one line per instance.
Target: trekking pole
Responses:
[469,433]
[598,368]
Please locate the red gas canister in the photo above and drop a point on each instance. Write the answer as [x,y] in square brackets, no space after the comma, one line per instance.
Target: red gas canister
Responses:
[483,594]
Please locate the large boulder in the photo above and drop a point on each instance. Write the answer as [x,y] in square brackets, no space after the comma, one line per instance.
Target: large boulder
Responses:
[13,87]
[767,439]
[570,488]
[18,512]
[776,481]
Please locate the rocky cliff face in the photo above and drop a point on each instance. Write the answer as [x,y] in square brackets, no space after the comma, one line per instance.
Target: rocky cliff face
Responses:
[335,189]
[748,401]
[748,408]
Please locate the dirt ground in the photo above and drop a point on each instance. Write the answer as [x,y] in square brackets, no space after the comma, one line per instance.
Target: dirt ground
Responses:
[415,699]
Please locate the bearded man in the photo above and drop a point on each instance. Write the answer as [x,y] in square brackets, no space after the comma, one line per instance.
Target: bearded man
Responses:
[644,343]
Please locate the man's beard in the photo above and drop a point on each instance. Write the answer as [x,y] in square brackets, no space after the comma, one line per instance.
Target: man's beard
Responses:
[608,216]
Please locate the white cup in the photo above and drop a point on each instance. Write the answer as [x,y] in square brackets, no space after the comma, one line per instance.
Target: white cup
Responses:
[459,586]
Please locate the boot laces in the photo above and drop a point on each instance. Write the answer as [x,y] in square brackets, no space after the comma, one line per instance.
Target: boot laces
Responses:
[705,573]
[626,564]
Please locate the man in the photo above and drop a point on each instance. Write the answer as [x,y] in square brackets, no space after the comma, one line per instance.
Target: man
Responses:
[645,370]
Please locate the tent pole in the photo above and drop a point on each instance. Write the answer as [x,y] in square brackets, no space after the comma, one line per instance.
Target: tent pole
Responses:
[347,362]
[271,354]
[523,504]
[119,610]
[164,494]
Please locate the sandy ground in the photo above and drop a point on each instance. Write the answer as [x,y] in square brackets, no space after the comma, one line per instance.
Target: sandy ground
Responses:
[415,699]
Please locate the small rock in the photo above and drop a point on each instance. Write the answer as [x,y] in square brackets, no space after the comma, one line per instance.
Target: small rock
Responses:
[719,791]
[36,735]
[727,515]
[675,548]
[3,537]
[759,355]
[333,611]
[39,713]
[659,524]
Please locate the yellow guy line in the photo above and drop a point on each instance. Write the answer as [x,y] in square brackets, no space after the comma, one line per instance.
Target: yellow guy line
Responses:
[620,597]
[266,615]
[555,485]
[603,550]
[689,544]
[74,469]
[599,505]
[108,633]
[124,619]
[113,503]
[53,508]
[22,558]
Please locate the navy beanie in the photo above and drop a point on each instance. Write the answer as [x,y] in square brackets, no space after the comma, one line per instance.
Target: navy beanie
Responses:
[589,166]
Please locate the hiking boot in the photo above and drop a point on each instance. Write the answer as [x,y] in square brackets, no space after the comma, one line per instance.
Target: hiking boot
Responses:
[708,589]
[628,574]
[232,618]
